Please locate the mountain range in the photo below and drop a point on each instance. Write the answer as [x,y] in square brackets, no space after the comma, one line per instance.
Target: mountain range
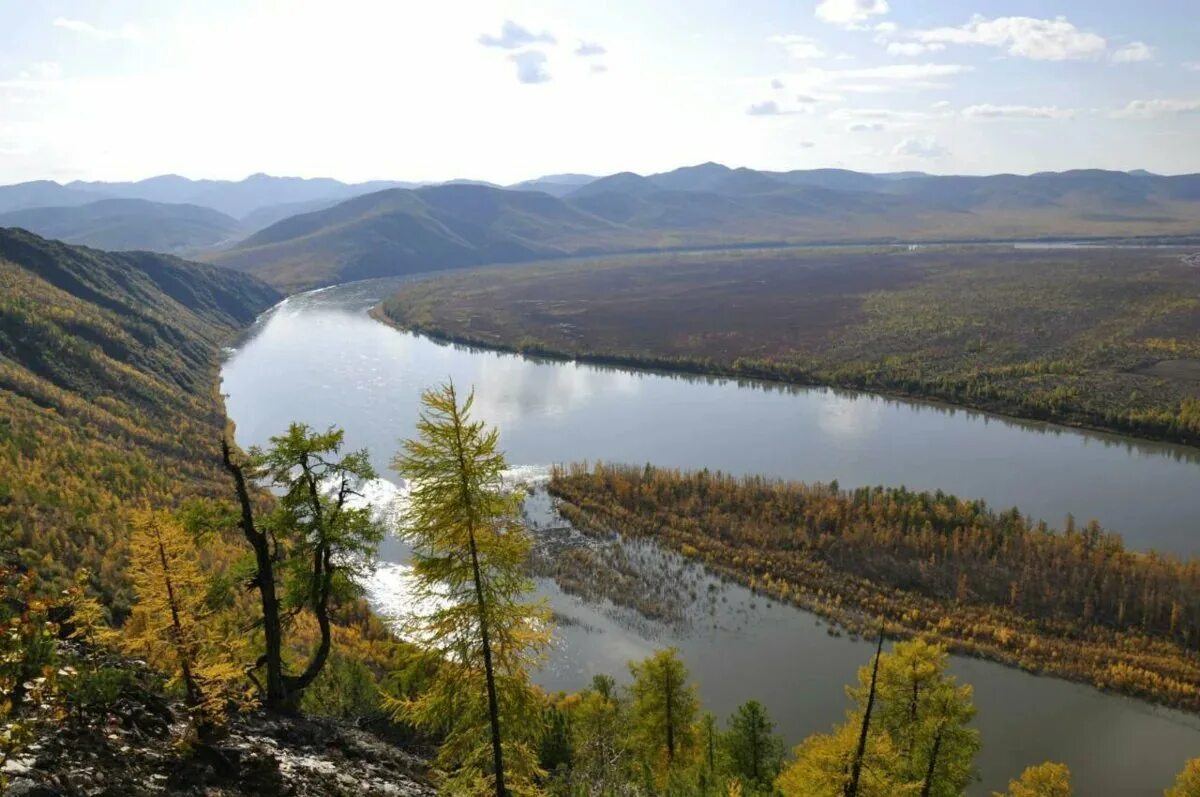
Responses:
[300,233]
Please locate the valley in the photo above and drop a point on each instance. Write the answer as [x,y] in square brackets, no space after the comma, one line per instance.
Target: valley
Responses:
[297,360]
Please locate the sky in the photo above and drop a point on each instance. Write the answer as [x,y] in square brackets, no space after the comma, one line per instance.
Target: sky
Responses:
[507,90]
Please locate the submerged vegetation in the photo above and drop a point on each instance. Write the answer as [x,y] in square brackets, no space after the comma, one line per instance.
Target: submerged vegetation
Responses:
[1073,603]
[1106,338]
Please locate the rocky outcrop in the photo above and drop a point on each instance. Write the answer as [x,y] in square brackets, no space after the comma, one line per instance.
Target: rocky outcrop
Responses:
[138,745]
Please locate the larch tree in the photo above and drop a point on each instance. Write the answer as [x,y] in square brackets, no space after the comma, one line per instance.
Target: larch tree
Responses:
[755,752]
[312,549]
[469,553]
[168,622]
[664,712]
[599,718]
[926,714]
[822,761]
[1188,782]
[1044,780]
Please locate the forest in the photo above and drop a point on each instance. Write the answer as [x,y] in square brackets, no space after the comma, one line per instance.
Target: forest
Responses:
[1104,338]
[1072,603]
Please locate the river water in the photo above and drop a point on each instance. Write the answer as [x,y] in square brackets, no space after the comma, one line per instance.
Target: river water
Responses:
[320,359]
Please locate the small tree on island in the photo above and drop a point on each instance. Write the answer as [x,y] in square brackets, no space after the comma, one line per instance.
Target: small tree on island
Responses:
[469,552]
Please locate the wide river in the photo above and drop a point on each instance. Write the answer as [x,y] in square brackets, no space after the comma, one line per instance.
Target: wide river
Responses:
[320,359]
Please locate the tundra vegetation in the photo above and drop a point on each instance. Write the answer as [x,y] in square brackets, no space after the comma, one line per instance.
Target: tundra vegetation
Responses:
[1107,338]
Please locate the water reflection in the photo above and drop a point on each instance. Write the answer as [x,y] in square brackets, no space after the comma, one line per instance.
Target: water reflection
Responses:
[319,358]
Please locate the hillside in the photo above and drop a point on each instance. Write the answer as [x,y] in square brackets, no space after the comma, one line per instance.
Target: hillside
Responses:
[400,232]
[1108,338]
[125,224]
[706,206]
[107,382]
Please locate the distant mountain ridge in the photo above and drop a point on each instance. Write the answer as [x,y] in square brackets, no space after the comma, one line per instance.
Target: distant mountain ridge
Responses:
[129,224]
[301,233]
[401,231]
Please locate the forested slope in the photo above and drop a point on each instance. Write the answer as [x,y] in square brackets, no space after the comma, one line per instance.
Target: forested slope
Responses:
[108,396]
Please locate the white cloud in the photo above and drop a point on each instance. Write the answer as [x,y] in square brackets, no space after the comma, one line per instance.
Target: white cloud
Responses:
[926,148]
[807,144]
[767,108]
[913,49]
[866,113]
[777,84]
[590,48]
[531,66]
[88,29]
[42,70]
[986,111]
[904,72]
[830,84]
[1039,39]
[798,46]
[850,13]
[1194,66]
[865,127]
[599,69]
[807,99]
[513,36]
[1133,52]
[940,104]
[1146,109]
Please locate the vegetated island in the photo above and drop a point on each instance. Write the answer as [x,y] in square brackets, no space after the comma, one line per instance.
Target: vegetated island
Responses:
[1100,338]
[991,584]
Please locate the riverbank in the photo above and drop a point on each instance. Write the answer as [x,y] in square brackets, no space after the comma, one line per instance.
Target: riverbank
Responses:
[990,585]
[1100,340]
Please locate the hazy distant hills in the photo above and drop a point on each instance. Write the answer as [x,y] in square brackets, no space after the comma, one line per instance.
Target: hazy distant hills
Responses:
[401,231]
[236,198]
[300,233]
[123,224]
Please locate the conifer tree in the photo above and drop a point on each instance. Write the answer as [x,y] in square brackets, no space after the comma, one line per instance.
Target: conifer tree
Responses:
[755,752]
[823,760]
[168,625]
[926,714]
[1188,782]
[664,711]
[1044,780]
[469,551]
[314,547]
[598,728]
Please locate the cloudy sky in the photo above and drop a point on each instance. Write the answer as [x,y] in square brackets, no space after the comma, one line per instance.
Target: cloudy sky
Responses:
[510,89]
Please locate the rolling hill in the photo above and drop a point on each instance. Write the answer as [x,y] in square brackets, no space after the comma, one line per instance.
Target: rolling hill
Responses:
[107,389]
[437,227]
[122,224]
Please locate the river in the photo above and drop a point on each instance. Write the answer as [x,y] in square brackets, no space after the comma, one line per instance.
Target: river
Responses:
[320,359]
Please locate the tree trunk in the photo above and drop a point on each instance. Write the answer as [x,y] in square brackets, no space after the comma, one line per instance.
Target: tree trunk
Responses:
[670,725]
[194,697]
[851,789]
[493,704]
[933,754]
[297,684]
[264,580]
